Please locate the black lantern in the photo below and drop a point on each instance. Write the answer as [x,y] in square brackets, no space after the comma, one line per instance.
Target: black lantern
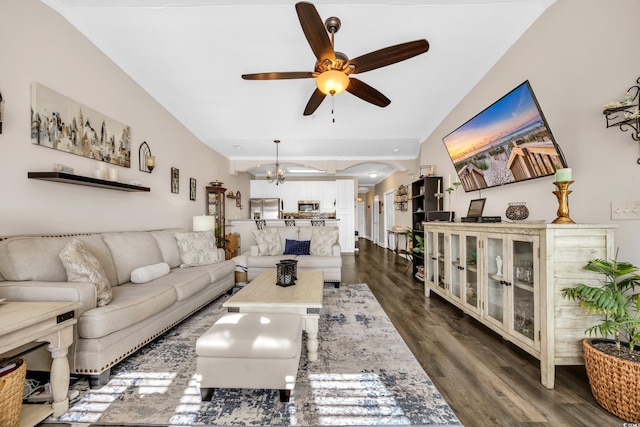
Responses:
[294,263]
[286,273]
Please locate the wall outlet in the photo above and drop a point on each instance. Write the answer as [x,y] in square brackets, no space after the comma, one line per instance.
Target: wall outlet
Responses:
[625,210]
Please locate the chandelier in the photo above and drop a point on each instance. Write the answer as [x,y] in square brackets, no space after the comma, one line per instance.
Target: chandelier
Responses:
[277,175]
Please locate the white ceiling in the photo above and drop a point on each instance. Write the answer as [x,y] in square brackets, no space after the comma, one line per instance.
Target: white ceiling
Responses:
[189,55]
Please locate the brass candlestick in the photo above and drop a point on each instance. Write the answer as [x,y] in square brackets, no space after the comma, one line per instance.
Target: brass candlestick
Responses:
[563,202]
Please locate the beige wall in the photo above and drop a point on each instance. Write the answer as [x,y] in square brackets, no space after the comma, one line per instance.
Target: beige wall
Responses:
[39,45]
[578,56]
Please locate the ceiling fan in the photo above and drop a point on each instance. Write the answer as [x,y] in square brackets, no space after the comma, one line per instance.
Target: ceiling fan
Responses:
[333,69]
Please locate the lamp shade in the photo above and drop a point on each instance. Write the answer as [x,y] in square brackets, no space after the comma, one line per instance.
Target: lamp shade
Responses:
[204,223]
[332,82]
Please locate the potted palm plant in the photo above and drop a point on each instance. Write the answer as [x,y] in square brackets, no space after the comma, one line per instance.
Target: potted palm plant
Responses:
[613,365]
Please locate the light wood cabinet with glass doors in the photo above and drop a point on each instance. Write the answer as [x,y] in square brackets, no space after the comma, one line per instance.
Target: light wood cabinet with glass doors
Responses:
[509,277]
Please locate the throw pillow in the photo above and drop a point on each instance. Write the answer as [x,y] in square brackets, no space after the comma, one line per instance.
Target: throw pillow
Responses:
[268,240]
[322,240]
[82,266]
[149,272]
[297,247]
[197,248]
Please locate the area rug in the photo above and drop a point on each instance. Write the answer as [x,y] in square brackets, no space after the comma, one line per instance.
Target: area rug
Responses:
[365,375]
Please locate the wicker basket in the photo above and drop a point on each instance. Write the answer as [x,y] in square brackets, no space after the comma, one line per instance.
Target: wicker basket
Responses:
[615,382]
[11,390]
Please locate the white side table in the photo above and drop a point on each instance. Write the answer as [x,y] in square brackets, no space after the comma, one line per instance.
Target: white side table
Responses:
[51,322]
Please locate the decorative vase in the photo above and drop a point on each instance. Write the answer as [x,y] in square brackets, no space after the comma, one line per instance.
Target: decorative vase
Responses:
[517,211]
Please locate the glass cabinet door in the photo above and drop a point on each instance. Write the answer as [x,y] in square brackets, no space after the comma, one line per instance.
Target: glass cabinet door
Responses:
[215,208]
[439,269]
[470,260]
[525,279]
[455,266]
[429,256]
[495,280]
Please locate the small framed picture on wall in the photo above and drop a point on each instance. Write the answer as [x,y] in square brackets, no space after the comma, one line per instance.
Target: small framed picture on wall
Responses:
[175,180]
[192,189]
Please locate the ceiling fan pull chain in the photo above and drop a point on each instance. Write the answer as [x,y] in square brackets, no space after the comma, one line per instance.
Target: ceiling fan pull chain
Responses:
[333,104]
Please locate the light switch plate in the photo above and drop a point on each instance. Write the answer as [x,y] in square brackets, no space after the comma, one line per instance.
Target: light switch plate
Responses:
[625,210]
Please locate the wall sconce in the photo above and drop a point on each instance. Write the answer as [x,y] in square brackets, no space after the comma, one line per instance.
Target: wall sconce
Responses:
[146,162]
[1,111]
[237,197]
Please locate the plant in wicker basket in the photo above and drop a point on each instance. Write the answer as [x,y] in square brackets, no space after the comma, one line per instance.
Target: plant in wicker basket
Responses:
[613,371]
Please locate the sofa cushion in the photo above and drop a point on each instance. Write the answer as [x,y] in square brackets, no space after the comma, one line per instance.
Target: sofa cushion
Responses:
[323,239]
[37,258]
[130,250]
[217,271]
[317,262]
[186,282]
[297,247]
[168,246]
[149,272]
[197,248]
[287,233]
[82,266]
[269,241]
[130,305]
[266,261]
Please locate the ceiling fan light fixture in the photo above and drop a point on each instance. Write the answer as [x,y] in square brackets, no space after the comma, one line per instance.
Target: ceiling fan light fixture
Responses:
[332,82]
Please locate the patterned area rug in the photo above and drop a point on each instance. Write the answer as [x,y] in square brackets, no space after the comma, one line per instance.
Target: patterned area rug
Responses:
[365,375]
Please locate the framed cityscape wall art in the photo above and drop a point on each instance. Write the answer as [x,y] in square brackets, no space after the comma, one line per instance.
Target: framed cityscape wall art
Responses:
[63,124]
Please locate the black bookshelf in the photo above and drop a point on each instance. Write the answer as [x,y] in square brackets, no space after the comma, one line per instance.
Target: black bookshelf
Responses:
[423,200]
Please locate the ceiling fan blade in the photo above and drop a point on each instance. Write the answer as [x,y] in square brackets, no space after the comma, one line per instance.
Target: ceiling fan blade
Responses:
[389,55]
[314,102]
[367,93]
[315,32]
[279,76]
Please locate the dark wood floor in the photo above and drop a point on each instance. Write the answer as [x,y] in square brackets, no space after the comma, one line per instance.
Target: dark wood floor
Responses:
[486,380]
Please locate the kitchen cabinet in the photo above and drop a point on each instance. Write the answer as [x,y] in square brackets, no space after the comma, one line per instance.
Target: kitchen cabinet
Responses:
[509,277]
[290,195]
[328,196]
[259,189]
[292,191]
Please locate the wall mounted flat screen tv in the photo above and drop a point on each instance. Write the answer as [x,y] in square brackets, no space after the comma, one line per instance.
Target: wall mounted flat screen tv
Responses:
[509,141]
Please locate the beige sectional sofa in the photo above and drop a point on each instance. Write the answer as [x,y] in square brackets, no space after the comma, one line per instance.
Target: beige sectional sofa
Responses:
[271,248]
[31,269]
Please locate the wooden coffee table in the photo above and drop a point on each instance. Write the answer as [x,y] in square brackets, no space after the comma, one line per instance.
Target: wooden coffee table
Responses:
[262,295]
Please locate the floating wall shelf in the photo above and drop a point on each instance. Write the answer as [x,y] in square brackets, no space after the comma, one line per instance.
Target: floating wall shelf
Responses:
[68,178]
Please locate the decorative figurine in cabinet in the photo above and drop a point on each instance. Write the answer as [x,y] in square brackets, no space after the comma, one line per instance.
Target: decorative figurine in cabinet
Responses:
[215,206]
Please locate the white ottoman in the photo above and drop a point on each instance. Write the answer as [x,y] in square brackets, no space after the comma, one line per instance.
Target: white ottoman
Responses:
[250,350]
